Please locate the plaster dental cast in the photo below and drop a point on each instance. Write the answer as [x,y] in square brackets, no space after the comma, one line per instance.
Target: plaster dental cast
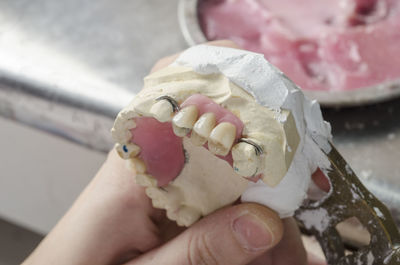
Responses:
[218,125]
[174,145]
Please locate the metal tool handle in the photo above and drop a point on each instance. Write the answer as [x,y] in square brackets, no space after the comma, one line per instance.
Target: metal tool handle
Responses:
[349,198]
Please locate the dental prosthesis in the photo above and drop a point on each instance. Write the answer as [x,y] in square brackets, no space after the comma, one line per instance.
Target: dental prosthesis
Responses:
[217,125]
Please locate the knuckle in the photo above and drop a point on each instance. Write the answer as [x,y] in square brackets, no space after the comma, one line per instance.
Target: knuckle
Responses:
[200,251]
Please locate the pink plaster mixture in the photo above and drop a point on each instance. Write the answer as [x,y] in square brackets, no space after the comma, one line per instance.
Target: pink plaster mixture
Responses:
[319,44]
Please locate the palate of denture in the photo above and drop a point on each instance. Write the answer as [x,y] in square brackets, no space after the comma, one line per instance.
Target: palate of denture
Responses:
[246,159]
[222,138]
[184,120]
[202,128]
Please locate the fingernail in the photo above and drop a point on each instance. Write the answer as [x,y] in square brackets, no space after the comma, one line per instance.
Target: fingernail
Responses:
[253,234]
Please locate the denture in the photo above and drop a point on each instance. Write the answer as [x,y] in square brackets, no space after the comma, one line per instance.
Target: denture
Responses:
[217,125]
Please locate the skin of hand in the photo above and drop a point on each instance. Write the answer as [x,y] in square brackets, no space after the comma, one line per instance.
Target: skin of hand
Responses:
[113,222]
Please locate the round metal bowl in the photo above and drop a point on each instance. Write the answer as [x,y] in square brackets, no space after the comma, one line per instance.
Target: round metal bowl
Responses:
[191,30]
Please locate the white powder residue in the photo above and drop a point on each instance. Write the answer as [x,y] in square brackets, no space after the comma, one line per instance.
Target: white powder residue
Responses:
[366,174]
[370,258]
[289,148]
[317,219]
[388,258]
[354,54]
[379,213]
[271,89]
[348,169]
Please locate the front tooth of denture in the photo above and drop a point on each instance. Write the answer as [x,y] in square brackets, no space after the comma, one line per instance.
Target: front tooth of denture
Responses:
[202,128]
[246,162]
[221,138]
[162,110]
[127,151]
[184,120]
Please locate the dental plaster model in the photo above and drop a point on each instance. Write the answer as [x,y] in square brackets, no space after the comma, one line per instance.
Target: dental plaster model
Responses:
[217,125]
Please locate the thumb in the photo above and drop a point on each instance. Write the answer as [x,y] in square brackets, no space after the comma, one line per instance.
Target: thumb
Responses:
[234,235]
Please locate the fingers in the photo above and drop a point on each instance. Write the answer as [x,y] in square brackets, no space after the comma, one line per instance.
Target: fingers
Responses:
[289,251]
[223,43]
[117,183]
[314,260]
[111,215]
[122,209]
[290,243]
[149,226]
[164,62]
[235,235]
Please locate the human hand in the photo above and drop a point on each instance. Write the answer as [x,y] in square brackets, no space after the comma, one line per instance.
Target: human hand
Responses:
[113,222]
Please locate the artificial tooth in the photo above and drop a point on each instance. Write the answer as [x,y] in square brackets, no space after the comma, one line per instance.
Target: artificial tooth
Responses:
[246,161]
[122,125]
[146,180]
[221,138]
[127,136]
[137,164]
[184,120]
[181,132]
[128,114]
[162,110]
[202,128]
[121,134]
[127,151]
[130,124]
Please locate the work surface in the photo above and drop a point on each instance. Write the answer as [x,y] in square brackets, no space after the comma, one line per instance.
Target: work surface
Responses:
[68,66]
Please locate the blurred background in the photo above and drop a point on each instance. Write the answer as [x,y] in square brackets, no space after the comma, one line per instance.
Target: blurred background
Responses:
[68,67]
